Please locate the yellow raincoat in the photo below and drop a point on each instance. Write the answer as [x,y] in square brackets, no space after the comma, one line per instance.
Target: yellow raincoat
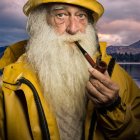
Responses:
[25,114]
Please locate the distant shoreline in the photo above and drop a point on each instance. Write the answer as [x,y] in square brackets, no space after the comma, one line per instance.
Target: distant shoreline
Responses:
[128,63]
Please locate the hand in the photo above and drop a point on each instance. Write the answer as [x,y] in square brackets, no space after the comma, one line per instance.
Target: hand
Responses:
[101,89]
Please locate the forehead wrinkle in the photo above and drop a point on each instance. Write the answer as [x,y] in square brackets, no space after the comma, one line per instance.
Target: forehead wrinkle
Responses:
[64,7]
[58,7]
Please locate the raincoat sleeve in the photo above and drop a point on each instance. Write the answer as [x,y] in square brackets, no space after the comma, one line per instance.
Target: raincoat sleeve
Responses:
[123,122]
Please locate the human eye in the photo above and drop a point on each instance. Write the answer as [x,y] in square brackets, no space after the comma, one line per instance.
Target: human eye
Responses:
[60,15]
[82,16]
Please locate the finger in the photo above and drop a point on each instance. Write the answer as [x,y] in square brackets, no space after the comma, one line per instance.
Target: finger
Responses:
[95,73]
[97,102]
[101,87]
[109,95]
[103,79]
[94,100]
[94,92]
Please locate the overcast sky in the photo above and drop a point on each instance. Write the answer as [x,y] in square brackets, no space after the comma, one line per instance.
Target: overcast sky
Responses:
[120,24]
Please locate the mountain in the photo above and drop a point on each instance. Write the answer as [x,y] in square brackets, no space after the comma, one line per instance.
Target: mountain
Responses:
[2,50]
[136,44]
[130,49]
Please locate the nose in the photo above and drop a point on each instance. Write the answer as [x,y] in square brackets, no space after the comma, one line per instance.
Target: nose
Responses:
[73,26]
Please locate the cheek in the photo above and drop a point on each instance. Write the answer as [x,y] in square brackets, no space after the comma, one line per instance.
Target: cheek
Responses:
[83,25]
[61,28]
[58,26]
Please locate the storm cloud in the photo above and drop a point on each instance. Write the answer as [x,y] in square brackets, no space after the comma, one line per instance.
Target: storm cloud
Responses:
[120,24]
[12,22]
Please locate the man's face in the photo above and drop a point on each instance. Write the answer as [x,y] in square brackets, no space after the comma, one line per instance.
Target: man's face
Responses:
[67,19]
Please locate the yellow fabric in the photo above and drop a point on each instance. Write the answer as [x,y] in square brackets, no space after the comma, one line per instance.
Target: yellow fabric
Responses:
[21,114]
[12,53]
[92,5]
[17,103]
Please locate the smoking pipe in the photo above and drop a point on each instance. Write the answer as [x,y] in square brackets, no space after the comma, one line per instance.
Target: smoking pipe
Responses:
[99,65]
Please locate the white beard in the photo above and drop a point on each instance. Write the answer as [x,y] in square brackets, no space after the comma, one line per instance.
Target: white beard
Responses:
[62,71]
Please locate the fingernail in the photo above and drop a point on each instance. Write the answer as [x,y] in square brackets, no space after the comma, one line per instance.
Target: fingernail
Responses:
[90,69]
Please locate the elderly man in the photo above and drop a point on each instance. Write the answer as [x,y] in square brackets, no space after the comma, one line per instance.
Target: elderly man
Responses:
[50,91]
